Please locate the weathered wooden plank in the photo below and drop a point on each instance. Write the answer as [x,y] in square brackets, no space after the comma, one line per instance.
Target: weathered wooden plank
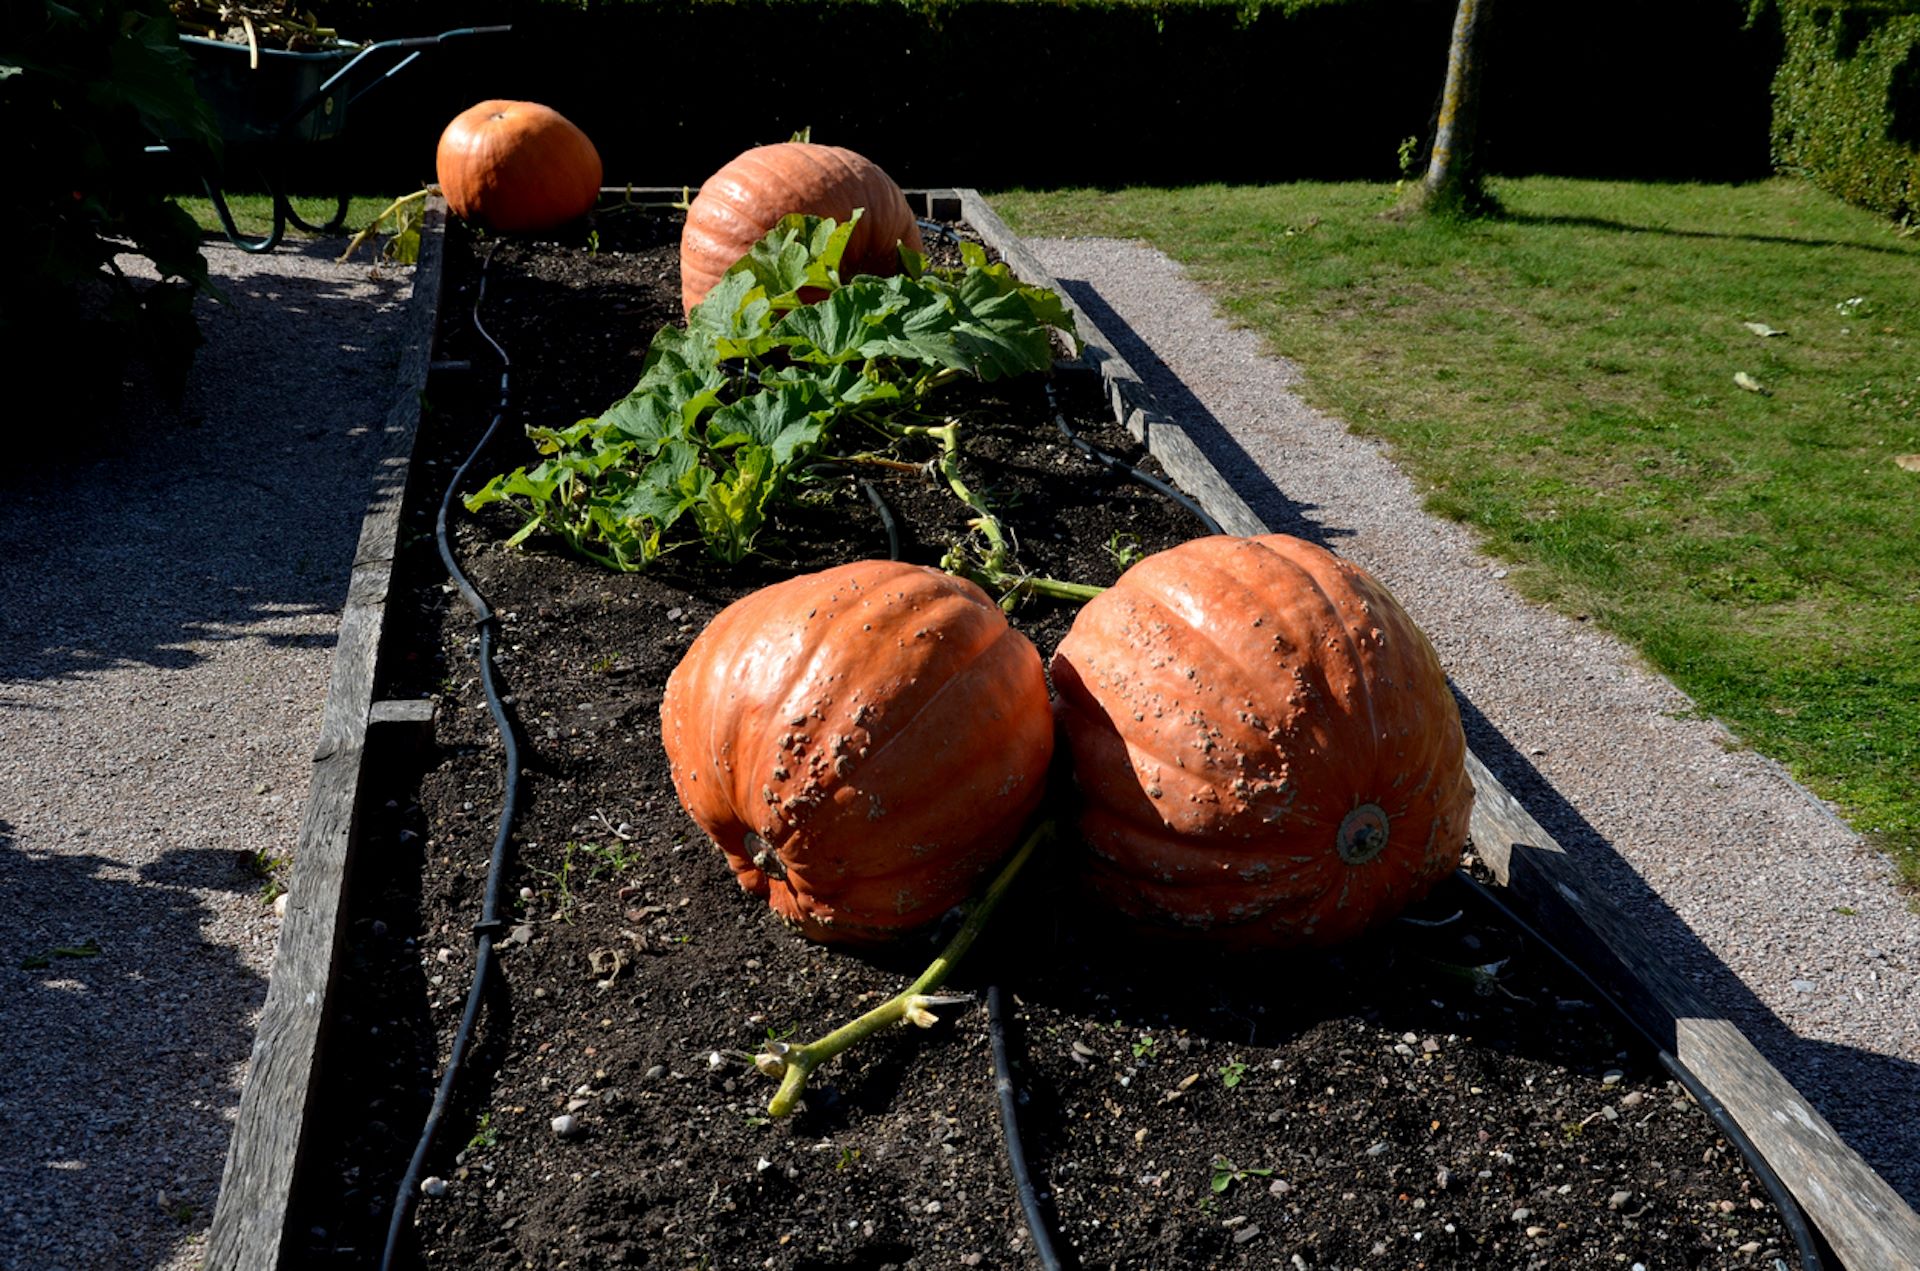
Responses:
[270,1134]
[1863,1218]
[1133,405]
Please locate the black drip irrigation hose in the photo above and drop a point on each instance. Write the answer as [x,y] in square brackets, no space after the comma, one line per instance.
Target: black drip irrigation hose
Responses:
[490,926]
[1113,463]
[1037,1225]
[1791,1215]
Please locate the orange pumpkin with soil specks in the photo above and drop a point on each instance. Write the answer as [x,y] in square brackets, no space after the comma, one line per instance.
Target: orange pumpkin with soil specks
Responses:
[1266,744]
[863,743]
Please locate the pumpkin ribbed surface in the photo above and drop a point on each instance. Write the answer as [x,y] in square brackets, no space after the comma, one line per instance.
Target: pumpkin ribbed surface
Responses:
[1265,743]
[517,167]
[745,199]
[863,743]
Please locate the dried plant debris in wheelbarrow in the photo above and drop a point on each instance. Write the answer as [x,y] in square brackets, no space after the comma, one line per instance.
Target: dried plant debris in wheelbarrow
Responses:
[280,27]
[1441,1095]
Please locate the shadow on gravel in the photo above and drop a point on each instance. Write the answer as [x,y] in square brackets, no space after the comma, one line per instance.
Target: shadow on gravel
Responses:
[122,1026]
[1852,1088]
[229,514]
[1282,514]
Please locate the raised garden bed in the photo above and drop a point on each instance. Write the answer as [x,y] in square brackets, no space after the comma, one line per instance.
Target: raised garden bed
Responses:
[1383,1104]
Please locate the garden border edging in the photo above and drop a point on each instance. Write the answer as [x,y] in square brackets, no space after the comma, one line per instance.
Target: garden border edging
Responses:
[271,1132]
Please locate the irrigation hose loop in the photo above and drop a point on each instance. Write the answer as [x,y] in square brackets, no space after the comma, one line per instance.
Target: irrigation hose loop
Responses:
[1792,1217]
[937,229]
[1114,463]
[1037,1224]
[488,928]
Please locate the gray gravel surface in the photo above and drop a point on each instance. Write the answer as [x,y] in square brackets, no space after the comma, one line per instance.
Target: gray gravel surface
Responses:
[1746,881]
[171,593]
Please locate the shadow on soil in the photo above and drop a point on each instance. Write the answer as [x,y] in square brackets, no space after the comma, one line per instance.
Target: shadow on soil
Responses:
[224,515]
[1852,1088]
[124,1025]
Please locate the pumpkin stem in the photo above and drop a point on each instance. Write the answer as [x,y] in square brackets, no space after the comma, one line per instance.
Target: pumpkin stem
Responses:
[1362,835]
[794,1064]
[873,461]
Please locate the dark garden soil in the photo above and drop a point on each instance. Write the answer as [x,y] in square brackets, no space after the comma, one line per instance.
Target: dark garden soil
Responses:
[1374,1106]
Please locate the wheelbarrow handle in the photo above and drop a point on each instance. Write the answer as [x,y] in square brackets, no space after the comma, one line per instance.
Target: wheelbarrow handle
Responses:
[416,43]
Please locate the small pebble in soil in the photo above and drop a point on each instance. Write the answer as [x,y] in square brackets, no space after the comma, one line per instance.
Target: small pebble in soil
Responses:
[1619,1199]
[1612,1077]
[433,1185]
[565,1125]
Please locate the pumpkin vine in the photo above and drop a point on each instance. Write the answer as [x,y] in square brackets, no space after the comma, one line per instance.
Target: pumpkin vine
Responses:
[734,408]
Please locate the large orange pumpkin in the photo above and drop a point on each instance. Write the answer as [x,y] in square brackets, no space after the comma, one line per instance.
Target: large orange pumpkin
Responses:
[863,743]
[517,166]
[745,199]
[1265,743]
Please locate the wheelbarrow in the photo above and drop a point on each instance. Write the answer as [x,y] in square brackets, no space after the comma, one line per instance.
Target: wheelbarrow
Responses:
[268,104]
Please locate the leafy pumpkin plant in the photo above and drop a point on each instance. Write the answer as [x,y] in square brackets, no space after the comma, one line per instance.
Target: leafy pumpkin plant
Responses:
[731,409]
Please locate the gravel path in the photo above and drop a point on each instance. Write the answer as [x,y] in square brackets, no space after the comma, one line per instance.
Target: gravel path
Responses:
[165,642]
[1741,877]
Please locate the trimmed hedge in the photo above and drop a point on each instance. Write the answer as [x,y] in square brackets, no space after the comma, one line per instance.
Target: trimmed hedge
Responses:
[1000,93]
[1847,100]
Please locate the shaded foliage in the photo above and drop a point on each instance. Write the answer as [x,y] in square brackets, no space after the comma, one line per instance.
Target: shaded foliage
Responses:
[85,87]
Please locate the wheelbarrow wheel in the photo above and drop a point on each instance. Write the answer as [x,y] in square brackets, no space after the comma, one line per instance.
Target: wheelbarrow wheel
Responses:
[247,242]
[333,226]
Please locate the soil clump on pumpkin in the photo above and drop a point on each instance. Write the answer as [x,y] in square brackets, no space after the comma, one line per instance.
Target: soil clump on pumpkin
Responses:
[1383,1104]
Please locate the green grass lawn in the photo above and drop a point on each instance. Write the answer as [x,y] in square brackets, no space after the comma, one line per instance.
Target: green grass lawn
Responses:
[1563,380]
[253,213]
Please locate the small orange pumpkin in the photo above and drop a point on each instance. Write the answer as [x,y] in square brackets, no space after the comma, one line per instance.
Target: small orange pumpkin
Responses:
[516,167]
[745,199]
[1265,742]
[863,744]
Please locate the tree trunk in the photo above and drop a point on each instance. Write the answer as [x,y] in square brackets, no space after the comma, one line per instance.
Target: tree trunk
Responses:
[1453,174]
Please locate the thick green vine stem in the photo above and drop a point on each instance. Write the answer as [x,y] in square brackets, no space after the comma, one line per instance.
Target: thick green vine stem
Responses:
[991,571]
[794,1064]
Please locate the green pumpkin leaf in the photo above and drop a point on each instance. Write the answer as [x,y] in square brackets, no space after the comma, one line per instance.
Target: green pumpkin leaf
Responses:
[782,419]
[668,486]
[734,311]
[838,328]
[677,351]
[732,509]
